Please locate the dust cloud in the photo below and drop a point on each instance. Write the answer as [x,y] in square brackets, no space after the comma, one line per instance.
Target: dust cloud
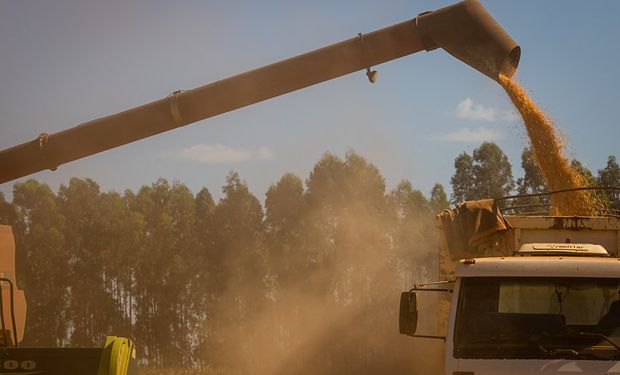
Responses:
[339,316]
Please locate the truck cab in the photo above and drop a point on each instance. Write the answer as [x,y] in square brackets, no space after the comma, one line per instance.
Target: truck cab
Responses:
[532,314]
[530,300]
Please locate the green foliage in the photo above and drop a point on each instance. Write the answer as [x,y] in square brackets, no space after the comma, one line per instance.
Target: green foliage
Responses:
[223,287]
[488,174]
[610,177]
[439,198]
[208,287]
[164,271]
[285,206]
[492,172]
[410,202]
[7,213]
[532,181]
[463,179]
[413,226]
[43,263]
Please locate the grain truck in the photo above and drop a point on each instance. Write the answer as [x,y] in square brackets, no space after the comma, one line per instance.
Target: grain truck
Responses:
[523,294]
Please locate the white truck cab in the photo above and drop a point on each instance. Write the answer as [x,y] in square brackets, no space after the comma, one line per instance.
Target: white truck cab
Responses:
[544,308]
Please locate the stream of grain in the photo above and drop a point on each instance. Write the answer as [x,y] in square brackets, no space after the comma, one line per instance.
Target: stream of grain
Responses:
[548,149]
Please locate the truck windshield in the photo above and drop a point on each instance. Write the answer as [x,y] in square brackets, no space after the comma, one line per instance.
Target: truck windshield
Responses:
[529,317]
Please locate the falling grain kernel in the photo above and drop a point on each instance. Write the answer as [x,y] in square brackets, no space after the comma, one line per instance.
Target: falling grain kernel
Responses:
[548,149]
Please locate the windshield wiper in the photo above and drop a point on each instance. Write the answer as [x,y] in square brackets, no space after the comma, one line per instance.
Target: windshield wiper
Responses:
[600,336]
[563,352]
[518,340]
[572,352]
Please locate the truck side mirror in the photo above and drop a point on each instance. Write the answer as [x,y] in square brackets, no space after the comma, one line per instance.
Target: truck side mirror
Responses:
[408,317]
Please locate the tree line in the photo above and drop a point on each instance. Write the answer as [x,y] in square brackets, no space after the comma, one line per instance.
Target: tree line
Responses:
[308,282]
[487,173]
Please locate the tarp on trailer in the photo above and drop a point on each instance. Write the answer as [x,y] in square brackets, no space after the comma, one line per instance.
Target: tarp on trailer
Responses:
[471,223]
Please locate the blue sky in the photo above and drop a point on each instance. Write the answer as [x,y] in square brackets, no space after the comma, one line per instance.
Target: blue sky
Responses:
[69,61]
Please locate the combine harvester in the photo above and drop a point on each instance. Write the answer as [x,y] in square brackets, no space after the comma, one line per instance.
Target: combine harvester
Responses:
[524,293]
[465,30]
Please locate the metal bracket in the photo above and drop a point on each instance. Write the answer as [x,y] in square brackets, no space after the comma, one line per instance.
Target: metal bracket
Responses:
[423,287]
[43,138]
[371,74]
[174,108]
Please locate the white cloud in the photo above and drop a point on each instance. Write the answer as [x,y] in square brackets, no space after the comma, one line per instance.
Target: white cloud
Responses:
[469,110]
[218,153]
[467,135]
[264,153]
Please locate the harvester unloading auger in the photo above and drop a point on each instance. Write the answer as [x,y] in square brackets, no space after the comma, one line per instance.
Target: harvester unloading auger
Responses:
[465,30]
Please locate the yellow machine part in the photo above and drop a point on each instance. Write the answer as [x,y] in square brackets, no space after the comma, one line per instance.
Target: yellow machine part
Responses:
[118,353]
